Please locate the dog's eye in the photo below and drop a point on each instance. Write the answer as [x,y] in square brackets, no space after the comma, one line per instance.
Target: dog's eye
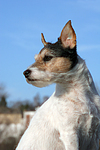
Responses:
[47,58]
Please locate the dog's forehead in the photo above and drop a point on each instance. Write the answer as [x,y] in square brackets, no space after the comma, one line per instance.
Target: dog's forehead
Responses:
[53,49]
[44,51]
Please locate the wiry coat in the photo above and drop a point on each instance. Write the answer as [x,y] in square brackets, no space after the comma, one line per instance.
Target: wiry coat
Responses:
[70,118]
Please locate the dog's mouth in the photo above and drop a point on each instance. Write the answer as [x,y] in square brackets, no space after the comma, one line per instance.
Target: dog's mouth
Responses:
[29,79]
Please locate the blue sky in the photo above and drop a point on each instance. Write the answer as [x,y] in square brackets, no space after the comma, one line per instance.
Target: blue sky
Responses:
[21,24]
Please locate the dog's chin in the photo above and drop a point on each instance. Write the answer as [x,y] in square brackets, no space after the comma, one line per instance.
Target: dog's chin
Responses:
[38,83]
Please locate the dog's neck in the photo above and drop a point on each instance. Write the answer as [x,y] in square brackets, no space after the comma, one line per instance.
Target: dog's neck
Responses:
[75,82]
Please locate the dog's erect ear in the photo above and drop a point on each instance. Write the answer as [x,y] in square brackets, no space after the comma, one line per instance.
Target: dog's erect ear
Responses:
[43,39]
[68,36]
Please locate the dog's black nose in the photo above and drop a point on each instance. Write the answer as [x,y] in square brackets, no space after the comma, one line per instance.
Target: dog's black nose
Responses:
[27,73]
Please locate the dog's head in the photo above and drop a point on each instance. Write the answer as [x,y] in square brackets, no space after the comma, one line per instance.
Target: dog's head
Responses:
[53,59]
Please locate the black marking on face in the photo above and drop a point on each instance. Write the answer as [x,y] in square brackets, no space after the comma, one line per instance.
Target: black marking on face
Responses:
[57,50]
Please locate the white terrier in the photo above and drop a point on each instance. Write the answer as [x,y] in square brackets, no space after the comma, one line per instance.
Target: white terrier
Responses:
[70,118]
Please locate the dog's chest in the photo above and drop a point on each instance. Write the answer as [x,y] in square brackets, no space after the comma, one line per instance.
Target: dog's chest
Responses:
[61,110]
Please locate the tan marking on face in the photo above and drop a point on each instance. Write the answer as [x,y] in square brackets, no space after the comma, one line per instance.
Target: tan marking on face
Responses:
[39,63]
[39,60]
[59,65]
[56,64]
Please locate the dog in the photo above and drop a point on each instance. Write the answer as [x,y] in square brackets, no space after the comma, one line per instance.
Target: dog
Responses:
[70,118]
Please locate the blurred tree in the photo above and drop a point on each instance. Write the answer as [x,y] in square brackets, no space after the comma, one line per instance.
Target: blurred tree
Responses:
[37,100]
[3,91]
[22,106]
[3,95]
[3,101]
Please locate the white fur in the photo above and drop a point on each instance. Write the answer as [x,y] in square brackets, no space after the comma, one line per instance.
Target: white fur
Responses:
[70,118]
[42,78]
